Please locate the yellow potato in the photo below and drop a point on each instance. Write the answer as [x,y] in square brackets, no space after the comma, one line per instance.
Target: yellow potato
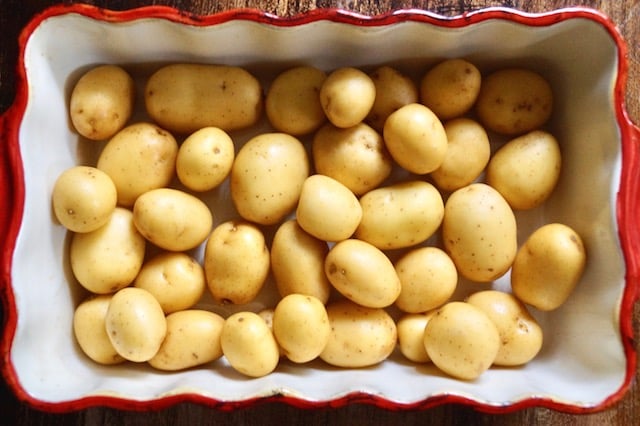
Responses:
[393,90]
[192,339]
[347,96]
[109,258]
[415,138]
[172,219]
[204,159]
[362,273]
[411,336]
[400,215]
[479,232]
[355,156]
[83,198]
[183,98]
[267,177]
[548,266]
[360,336]
[90,332]
[102,102]
[293,104]
[236,262]
[139,158]
[526,169]
[297,262]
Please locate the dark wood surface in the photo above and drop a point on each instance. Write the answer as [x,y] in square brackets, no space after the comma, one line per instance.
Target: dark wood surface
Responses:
[14,14]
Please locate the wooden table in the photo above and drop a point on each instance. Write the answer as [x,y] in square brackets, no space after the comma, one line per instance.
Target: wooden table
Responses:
[14,14]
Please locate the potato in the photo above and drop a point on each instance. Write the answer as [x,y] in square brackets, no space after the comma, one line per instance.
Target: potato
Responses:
[204,159]
[83,198]
[109,258]
[267,315]
[356,156]
[360,336]
[347,96]
[175,279]
[90,332]
[183,98]
[514,101]
[135,324]
[468,152]
[192,339]
[400,215]
[297,262]
[415,138]
[393,90]
[526,169]
[301,327]
[249,345]
[461,340]
[428,278]
[327,209]
[411,336]
[139,158]
[450,88]
[520,333]
[267,177]
[236,262]
[293,102]
[362,273]
[102,102]
[479,232]
[548,266]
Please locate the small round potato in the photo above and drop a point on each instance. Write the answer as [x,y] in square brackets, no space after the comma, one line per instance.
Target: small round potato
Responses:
[293,101]
[90,331]
[411,336]
[347,96]
[102,102]
[83,198]
[514,101]
[356,156]
[204,159]
[393,90]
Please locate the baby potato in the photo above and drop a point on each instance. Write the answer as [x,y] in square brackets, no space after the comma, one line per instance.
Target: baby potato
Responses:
[360,336]
[183,98]
[192,339]
[102,102]
[297,262]
[236,262]
[109,258]
[362,273]
[520,333]
[400,215]
[411,336]
[249,345]
[415,138]
[526,169]
[514,101]
[327,209]
[393,90]
[301,327]
[204,159]
[461,340]
[479,232]
[135,324]
[355,156]
[293,102]
[428,278]
[139,158]
[468,152]
[83,198]
[175,279]
[548,266]
[347,96]
[90,331]
[450,88]
[267,177]
[172,219]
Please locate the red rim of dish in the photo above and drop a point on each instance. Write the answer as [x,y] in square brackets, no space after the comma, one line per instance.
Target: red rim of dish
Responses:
[12,184]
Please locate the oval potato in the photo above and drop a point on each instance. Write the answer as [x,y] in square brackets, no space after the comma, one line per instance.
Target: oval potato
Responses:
[411,336]
[90,331]
[347,96]
[393,90]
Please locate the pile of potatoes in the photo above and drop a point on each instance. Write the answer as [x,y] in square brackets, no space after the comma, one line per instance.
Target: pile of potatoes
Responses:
[381,194]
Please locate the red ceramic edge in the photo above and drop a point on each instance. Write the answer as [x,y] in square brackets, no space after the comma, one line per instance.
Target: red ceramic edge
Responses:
[12,184]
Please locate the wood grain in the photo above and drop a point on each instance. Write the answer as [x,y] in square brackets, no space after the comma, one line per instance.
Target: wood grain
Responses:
[14,14]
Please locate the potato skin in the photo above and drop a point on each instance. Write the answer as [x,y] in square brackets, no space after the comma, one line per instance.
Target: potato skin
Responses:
[393,90]
[347,96]
[90,332]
